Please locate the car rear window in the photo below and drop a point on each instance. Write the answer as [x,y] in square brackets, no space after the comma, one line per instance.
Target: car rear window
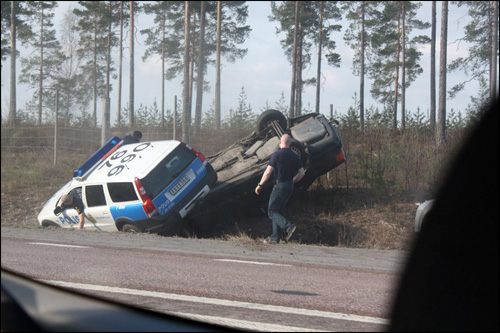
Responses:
[168,170]
[122,192]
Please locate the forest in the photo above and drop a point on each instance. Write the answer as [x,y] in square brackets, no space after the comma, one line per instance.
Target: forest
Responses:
[86,63]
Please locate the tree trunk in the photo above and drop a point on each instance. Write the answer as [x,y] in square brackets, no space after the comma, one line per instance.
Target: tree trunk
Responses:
[403,69]
[105,113]
[298,84]
[433,69]
[318,74]
[94,114]
[191,72]
[217,69]
[185,97]
[163,71]
[396,81]
[12,105]
[131,115]
[291,113]
[199,75]
[108,54]
[40,84]
[441,125]
[494,57]
[362,71]
[118,111]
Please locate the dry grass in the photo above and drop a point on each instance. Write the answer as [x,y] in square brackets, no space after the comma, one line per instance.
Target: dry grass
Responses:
[366,202]
[29,179]
[339,217]
[356,219]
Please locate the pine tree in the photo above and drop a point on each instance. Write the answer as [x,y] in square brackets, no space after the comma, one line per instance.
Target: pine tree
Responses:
[243,117]
[157,41]
[209,118]
[15,17]
[93,29]
[433,69]
[5,20]
[186,117]
[230,31]
[478,104]
[358,36]
[441,124]
[386,41]
[39,70]
[482,33]
[75,91]
[300,22]
[200,69]
[281,104]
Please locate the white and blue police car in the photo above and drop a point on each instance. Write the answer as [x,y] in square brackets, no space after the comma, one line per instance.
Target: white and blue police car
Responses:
[140,187]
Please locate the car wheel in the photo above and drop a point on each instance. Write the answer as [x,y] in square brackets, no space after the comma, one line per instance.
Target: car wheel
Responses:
[127,227]
[269,116]
[298,148]
[50,224]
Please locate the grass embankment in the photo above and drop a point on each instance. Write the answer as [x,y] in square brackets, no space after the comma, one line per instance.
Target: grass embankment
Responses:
[333,217]
[368,202]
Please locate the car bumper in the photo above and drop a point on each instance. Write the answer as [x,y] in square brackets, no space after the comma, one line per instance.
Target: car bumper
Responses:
[168,221]
[422,211]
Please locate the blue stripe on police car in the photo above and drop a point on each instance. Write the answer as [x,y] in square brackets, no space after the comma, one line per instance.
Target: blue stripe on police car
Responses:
[130,211]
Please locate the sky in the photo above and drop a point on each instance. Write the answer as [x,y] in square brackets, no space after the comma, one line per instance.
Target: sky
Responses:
[265,73]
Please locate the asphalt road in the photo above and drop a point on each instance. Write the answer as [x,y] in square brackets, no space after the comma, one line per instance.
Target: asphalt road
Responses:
[245,285]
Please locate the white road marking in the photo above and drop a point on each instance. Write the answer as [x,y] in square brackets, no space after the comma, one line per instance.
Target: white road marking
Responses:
[61,245]
[243,324]
[222,302]
[251,262]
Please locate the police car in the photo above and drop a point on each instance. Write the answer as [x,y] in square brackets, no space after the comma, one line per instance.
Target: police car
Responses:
[140,187]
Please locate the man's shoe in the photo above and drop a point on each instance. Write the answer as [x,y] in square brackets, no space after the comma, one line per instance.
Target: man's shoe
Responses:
[289,232]
[268,240]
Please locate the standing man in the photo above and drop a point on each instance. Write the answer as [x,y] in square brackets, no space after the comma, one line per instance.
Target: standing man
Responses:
[134,138]
[288,170]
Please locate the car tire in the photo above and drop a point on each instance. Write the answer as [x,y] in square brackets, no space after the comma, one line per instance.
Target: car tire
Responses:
[268,116]
[50,224]
[298,148]
[127,227]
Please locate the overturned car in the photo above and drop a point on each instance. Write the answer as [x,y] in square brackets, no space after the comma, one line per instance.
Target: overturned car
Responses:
[240,166]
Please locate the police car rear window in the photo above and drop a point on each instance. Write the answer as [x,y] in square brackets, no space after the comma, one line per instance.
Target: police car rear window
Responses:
[122,192]
[168,170]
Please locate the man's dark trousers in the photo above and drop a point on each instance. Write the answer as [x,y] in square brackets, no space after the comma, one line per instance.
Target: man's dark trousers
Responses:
[282,191]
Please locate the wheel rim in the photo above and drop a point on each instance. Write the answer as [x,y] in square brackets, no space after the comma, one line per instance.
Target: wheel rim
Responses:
[296,151]
[130,229]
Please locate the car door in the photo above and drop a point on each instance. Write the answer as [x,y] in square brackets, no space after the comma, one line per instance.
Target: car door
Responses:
[69,217]
[97,206]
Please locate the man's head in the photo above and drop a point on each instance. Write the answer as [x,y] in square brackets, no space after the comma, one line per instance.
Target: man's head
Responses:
[285,141]
[137,134]
[67,199]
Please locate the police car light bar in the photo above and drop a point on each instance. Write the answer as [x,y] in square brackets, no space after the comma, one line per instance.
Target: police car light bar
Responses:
[94,160]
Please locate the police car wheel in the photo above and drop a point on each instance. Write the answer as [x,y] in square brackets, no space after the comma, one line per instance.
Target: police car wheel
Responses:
[130,228]
[50,224]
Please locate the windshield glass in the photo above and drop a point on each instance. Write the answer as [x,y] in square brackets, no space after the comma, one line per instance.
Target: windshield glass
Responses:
[222,237]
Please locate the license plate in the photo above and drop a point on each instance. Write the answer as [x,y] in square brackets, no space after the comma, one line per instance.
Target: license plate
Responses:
[177,187]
